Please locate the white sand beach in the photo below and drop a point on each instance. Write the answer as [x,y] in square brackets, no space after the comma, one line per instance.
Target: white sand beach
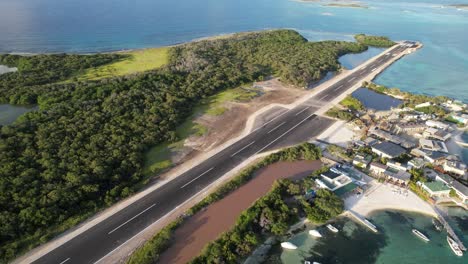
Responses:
[381,196]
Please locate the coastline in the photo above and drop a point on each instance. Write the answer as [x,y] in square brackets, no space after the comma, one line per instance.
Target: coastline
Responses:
[381,196]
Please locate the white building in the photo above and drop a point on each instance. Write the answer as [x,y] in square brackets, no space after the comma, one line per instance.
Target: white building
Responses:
[333,181]
[377,169]
[435,133]
[433,145]
[454,166]
[437,124]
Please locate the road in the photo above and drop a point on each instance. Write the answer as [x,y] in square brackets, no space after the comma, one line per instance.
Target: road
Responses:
[107,236]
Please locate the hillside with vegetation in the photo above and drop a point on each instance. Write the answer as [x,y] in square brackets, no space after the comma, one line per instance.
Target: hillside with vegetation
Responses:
[84,149]
[375,41]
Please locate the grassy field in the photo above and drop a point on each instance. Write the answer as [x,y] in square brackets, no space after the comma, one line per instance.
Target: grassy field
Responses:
[137,61]
[158,157]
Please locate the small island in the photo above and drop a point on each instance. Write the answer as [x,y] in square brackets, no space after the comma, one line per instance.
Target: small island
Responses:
[460,6]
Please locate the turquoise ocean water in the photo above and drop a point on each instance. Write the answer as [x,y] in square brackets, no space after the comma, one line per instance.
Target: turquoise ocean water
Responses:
[440,68]
[395,243]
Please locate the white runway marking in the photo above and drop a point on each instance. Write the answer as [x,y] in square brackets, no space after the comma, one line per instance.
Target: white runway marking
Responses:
[242,149]
[302,110]
[284,134]
[113,230]
[323,97]
[276,127]
[196,178]
[64,261]
[272,120]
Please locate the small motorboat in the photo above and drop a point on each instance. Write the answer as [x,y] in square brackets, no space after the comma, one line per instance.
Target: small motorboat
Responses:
[454,246]
[288,245]
[437,224]
[420,235]
[332,228]
[315,233]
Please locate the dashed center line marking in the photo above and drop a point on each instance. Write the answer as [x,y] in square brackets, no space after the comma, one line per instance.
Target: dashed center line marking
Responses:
[64,261]
[302,110]
[282,135]
[352,79]
[242,149]
[336,88]
[196,178]
[374,69]
[272,120]
[323,97]
[113,230]
[276,127]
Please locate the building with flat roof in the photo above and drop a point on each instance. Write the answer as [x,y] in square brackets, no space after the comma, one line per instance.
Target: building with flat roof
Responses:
[433,145]
[454,166]
[362,160]
[377,169]
[436,189]
[332,180]
[397,176]
[397,165]
[416,163]
[437,124]
[437,134]
[388,150]
[460,189]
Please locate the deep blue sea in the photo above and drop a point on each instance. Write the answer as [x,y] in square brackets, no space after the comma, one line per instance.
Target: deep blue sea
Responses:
[440,68]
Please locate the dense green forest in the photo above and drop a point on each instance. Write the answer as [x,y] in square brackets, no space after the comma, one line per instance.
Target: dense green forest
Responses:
[84,148]
[33,71]
[375,41]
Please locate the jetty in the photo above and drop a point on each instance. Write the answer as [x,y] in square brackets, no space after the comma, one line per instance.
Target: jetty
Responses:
[363,221]
[449,229]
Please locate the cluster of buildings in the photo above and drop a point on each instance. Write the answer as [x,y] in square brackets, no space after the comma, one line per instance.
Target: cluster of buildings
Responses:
[400,140]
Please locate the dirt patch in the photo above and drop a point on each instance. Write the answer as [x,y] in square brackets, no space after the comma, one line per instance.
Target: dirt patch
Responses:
[232,122]
[208,224]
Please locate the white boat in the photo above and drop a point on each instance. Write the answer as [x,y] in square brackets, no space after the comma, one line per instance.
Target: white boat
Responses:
[454,246]
[288,245]
[420,235]
[332,228]
[315,233]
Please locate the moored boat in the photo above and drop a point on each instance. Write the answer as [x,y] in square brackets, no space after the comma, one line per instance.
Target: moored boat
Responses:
[315,233]
[288,245]
[420,235]
[437,224]
[454,246]
[332,228]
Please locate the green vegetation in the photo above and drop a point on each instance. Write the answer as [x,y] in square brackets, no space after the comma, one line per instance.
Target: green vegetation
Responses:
[270,214]
[352,103]
[432,109]
[326,205]
[25,86]
[84,149]
[134,62]
[375,41]
[150,252]
[336,112]
[158,158]
[450,119]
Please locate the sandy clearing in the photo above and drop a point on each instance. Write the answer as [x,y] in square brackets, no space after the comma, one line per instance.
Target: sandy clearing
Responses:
[207,225]
[381,196]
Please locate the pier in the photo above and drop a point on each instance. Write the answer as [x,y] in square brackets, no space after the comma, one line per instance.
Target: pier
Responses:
[449,229]
[363,221]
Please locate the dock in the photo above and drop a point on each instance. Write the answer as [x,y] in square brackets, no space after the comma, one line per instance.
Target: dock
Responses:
[363,221]
[449,229]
